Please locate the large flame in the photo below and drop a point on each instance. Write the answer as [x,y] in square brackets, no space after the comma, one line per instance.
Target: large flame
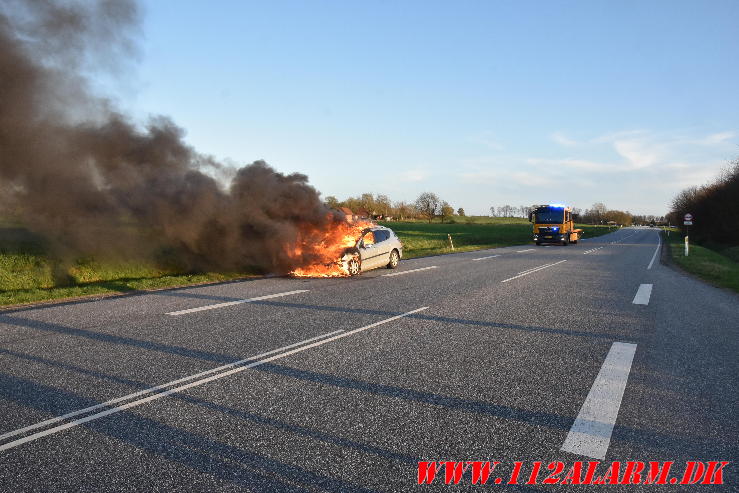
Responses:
[329,246]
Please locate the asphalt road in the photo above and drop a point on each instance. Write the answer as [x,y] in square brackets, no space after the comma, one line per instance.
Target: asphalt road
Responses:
[514,354]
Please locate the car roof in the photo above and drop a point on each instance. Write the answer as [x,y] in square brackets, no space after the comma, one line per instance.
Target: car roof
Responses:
[381,228]
[377,228]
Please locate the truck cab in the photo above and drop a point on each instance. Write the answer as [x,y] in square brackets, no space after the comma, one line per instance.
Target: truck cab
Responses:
[553,223]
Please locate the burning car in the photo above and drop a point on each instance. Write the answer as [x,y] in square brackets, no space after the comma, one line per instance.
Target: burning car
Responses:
[378,246]
[347,248]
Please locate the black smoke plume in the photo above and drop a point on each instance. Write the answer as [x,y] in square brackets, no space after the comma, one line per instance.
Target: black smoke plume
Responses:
[93,182]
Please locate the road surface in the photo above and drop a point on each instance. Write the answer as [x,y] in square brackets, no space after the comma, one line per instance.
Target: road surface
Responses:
[579,353]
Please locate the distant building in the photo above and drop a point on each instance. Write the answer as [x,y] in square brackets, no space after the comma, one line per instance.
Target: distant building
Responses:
[360,215]
[350,216]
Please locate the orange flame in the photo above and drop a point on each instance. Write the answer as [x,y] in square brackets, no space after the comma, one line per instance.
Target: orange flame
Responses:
[327,246]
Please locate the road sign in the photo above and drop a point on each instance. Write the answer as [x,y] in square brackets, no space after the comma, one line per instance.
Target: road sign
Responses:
[688,223]
[688,217]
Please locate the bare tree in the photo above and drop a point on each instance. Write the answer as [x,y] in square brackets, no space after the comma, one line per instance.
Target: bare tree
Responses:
[368,203]
[403,210]
[382,205]
[428,205]
[599,211]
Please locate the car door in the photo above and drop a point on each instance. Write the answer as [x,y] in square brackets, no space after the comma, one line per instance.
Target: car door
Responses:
[368,251]
[383,245]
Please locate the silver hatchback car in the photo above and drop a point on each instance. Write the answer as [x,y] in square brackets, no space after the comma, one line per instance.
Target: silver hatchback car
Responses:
[377,247]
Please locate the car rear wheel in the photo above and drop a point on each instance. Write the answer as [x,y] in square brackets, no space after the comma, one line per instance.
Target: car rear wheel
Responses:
[394,260]
[354,267]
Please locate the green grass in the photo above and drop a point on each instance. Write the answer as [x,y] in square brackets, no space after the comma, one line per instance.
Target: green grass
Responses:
[720,268]
[423,238]
[27,274]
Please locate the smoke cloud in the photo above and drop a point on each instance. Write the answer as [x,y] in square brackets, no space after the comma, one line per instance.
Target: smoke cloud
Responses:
[93,182]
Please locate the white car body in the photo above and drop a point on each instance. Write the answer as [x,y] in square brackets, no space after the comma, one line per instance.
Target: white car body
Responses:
[378,247]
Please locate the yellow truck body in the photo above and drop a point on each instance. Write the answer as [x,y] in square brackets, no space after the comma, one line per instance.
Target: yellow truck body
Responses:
[553,223]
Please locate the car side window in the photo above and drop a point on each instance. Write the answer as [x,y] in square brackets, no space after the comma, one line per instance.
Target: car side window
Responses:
[368,238]
[381,235]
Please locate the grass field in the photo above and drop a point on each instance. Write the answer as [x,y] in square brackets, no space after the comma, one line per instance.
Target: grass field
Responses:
[717,265]
[423,238]
[27,273]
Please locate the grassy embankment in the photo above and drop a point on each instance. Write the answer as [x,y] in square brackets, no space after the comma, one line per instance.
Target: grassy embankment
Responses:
[469,233]
[719,265]
[27,272]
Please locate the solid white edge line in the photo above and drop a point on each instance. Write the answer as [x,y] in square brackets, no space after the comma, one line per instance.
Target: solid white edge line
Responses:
[659,244]
[409,271]
[643,294]
[534,270]
[483,258]
[590,434]
[196,383]
[236,302]
[159,387]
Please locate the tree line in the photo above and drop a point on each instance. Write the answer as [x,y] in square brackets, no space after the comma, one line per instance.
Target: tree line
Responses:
[597,214]
[427,206]
[715,208]
[510,211]
[600,214]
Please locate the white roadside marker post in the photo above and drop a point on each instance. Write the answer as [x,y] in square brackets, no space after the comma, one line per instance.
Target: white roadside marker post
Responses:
[687,222]
[451,245]
[687,248]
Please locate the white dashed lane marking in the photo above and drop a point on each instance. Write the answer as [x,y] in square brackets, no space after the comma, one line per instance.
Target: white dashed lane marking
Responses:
[643,294]
[591,432]
[483,258]
[409,271]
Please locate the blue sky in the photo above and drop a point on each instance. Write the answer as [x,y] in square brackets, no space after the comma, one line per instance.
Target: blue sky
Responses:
[483,102]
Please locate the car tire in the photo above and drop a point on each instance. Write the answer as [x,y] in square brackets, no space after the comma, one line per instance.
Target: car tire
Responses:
[354,266]
[394,260]
[538,243]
